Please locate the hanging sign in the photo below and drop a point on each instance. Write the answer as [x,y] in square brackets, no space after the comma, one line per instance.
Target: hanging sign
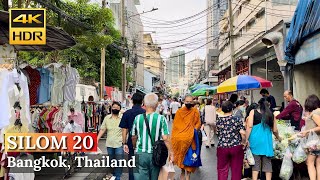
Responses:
[27,26]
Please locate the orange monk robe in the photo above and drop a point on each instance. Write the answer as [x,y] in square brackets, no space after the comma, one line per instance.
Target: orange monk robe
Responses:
[184,124]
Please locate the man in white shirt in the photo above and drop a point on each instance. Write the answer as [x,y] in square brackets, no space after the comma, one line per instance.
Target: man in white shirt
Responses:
[174,106]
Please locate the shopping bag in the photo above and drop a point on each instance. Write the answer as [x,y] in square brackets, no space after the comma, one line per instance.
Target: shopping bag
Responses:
[313,141]
[192,158]
[204,136]
[299,155]
[249,157]
[167,172]
[286,170]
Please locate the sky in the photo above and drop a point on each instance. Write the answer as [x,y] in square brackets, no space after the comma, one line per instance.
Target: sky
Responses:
[164,34]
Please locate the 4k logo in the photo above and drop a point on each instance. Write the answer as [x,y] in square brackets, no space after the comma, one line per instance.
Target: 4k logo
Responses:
[27,26]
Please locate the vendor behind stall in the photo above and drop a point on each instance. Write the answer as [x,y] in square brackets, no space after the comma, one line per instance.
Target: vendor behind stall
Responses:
[292,112]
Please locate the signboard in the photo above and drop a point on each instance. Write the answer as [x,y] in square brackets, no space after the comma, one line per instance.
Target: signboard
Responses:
[82,91]
[27,26]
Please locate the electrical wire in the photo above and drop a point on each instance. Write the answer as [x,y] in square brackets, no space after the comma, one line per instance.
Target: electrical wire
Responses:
[183,19]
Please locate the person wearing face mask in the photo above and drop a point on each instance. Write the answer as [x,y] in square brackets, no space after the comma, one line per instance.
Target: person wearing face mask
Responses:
[110,125]
[186,120]
[240,109]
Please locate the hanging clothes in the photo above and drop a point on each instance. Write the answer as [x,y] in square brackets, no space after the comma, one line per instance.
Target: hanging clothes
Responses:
[4,100]
[35,80]
[19,94]
[57,87]
[58,123]
[44,93]
[77,117]
[72,80]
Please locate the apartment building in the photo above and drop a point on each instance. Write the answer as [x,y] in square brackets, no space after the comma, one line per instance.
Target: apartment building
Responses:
[153,61]
[175,67]
[253,19]
[216,11]
[133,33]
[194,68]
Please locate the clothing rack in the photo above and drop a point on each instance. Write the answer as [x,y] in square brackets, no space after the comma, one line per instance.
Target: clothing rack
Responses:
[40,105]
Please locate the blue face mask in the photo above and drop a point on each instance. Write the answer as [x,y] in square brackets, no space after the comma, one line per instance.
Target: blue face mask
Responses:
[242,108]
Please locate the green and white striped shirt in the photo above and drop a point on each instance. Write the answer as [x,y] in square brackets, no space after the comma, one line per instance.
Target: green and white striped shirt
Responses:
[158,127]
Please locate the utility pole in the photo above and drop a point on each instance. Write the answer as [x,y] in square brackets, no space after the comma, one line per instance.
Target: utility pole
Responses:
[103,64]
[123,31]
[233,62]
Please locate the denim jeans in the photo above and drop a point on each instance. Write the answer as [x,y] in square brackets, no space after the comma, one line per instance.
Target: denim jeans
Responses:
[118,154]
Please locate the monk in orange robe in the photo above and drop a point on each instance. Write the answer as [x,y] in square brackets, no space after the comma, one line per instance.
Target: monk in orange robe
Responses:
[186,120]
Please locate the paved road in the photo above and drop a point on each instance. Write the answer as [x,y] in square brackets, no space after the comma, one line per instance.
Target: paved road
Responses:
[209,164]
[207,171]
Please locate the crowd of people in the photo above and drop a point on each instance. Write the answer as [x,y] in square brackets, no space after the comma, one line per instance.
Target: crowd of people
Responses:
[236,124]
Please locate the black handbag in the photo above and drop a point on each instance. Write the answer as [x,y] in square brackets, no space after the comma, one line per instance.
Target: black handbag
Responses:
[160,150]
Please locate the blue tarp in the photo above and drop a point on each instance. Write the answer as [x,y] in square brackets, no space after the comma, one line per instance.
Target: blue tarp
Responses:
[305,23]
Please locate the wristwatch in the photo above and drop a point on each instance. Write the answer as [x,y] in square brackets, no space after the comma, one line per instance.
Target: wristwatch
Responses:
[124,144]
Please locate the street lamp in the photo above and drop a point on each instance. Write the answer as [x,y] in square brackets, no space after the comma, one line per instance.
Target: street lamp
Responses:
[144,12]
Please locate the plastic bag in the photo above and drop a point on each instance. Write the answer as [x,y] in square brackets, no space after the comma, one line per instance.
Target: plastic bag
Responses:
[286,170]
[167,172]
[249,157]
[299,155]
[313,141]
[204,136]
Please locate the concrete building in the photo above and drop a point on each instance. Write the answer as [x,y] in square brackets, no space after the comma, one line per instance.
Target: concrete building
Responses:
[194,68]
[153,60]
[175,67]
[149,79]
[252,21]
[134,35]
[217,9]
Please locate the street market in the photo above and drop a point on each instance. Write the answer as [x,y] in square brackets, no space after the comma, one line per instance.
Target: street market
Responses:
[184,89]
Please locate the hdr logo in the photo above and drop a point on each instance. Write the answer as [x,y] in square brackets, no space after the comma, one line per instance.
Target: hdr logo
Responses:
[27,26]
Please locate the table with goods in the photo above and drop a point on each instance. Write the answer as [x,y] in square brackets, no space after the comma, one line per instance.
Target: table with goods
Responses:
[291,152]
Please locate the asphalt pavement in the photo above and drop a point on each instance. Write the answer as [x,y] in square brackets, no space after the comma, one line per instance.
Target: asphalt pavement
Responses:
[207,171]
[209,163]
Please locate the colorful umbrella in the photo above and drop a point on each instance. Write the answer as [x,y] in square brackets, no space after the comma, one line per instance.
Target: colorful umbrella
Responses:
[193,86]
[203,91]
[199,86]
[243,82]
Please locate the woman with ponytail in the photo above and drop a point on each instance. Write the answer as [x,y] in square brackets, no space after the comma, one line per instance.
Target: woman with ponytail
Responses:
[260,126]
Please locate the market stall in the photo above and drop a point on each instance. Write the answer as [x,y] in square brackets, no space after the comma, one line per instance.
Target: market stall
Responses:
[35,99]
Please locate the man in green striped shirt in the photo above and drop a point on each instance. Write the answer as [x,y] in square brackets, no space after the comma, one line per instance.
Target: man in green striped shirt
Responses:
[158,128]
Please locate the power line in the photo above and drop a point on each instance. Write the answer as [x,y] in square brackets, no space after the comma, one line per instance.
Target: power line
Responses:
[184,19]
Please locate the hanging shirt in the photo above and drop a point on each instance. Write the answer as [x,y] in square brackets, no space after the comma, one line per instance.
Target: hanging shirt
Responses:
[22,96]
[4,100]
[72,80]
[57,87]
[44,94]
[35,80]
[76,117]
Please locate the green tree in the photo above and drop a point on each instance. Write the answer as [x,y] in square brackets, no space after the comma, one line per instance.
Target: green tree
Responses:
[85,55]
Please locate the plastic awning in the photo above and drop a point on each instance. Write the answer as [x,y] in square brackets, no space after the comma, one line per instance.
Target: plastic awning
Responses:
[305,23]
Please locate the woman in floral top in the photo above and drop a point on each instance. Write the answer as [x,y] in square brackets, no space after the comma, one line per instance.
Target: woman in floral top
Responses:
[230,150]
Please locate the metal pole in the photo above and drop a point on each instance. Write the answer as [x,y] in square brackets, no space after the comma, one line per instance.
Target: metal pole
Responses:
[123,31]
[266,23]
[233,63]
[103,64]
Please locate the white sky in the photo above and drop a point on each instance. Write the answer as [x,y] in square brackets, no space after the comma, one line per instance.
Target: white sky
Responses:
[170,10]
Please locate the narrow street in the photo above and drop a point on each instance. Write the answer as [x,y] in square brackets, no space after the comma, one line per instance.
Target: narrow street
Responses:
[209,163]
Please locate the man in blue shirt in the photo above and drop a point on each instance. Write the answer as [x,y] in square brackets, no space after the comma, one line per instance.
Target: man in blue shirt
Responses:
[127,123]
[265,94]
